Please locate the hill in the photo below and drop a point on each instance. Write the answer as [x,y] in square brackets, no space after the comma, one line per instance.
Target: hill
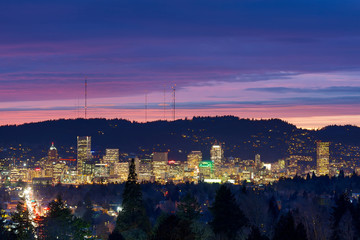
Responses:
[241,137]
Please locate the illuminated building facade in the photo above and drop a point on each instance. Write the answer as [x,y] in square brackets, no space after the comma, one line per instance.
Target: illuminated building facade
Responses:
[83,153]
[145,170]
[51,160]
[258,164]
[111,156]
[101,170]
[322,158]
[193,160]
[58,170]
[217,157]
[206,168]
[122,170]
[53,154]
[160,165]
[176,171]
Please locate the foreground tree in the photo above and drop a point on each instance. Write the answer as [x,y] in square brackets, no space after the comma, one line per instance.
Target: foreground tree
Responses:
[343,219]
[174,228]
[189,208]
[228,217]
[255,234]
[23,230]
[132,221]
[286,229]
[61,224]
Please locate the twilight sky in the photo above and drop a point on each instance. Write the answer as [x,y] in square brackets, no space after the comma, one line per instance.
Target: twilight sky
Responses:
[298,60]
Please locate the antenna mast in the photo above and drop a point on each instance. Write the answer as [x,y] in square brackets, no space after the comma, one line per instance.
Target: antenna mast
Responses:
[85,97]
[146,106]
[174,100]
[164,104]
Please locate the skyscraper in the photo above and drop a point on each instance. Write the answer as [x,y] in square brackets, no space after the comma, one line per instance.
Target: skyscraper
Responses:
[112,156]
[322,158]
[83,152]
[53,154]
[160,165]
[193,159]
[216,155]
[51,160]
[258,164]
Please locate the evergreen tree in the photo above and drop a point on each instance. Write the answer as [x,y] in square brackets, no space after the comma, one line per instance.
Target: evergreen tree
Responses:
[133,215]
[342,204]
[301,232]
[89,212]
[189,208]
[61,224]
[228,218]
[24,229]
[116,235]
[273,209]
[174,228]
[286,229]
[255,234]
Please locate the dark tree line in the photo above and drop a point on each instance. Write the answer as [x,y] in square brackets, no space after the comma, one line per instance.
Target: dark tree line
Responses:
[289,209]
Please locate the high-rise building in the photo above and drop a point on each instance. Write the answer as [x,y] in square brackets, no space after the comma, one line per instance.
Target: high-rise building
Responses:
[160,164]
[101,170]
[192,170]
[322,158]
[112,156]
[58,169]
[51,160]
[83,153]
[258,164]
[217,155]
[53,154]
[176,171]
[206,168]
[145,170]
[122,170]
[193,160]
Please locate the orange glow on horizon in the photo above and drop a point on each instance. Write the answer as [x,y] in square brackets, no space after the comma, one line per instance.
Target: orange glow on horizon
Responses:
[301,116]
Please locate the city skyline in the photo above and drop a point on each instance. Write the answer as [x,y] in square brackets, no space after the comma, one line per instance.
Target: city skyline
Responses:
[296,61]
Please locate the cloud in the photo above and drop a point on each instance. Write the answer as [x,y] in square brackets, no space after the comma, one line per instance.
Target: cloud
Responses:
[332,90]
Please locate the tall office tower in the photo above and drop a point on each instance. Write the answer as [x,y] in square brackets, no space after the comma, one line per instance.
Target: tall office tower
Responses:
[83,153]
[322,158]
[257,161]
[193,159]
[122,170]
[111,156]
[145,170]
[53,154]
[176,171]
[217,155]
[206,168]
[51,160]
[160,164]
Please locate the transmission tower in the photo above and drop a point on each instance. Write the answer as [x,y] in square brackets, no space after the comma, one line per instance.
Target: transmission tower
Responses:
[85,97]
[174,100]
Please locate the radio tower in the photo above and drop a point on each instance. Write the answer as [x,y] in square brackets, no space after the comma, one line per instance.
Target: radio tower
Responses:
[85,97]
[174,100]
[146,107]
[164,103]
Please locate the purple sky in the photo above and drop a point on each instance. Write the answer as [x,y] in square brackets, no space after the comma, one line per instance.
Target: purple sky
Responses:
[296,60]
